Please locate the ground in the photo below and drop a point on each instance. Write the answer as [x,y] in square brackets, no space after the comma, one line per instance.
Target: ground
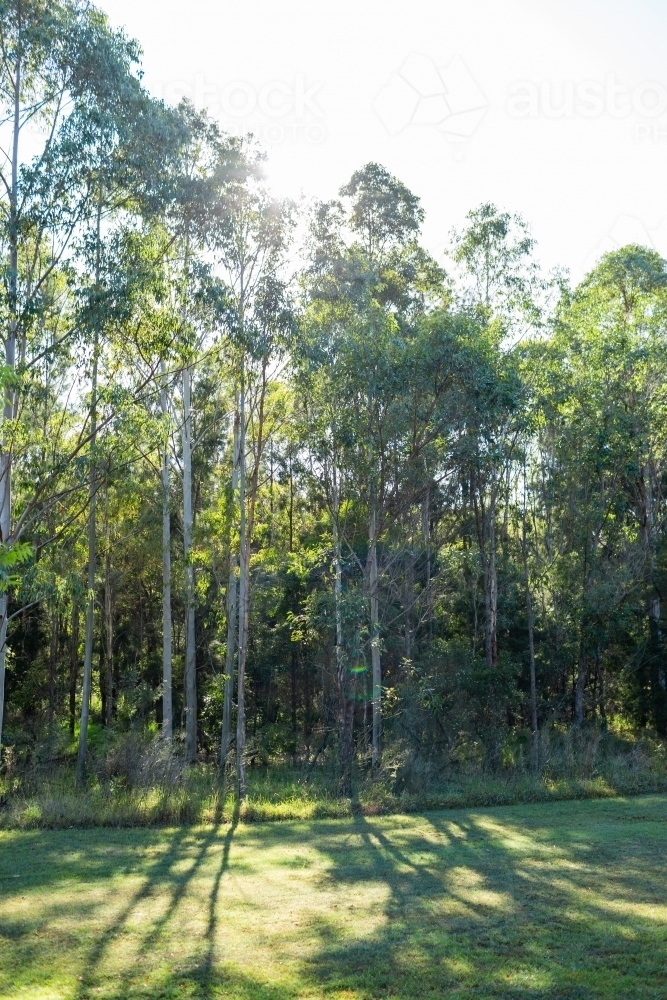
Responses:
[548,901]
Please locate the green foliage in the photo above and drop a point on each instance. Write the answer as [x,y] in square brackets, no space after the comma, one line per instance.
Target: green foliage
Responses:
[12,557]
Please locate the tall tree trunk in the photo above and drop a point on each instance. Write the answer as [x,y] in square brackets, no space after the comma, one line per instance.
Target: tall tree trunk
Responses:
[90,609]
[293,673]
[108,628]
[409,600]
[247,524]
[582,677]
[53,665]
[534,735]
[658,676]
[73,666]
[485,519]
[492,630]
[343,682]
[582,663]
[167,703]
[530,614]
[373,582]
[426,538]
[92,531]
[243,607]
[657,671]
[190,648]
[232,612]
[9,406]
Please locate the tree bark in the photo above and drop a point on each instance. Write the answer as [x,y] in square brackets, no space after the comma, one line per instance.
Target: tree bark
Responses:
[108,629]
[73,666]
[492,594]
[485,519]
[232,613]
[294,662]
[92,565]
[167,703]
[10,363]
[582,677]
[426,537]
[657,672]
[190,648]
[373,581]
[53,665]
[247,524]
[530,615]
[534,735]
[343,682]
[243,608]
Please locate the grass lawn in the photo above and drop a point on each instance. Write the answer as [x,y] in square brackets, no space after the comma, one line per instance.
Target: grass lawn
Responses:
[564,900]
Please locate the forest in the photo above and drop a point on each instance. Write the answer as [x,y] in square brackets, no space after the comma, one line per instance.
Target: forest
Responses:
[279,491]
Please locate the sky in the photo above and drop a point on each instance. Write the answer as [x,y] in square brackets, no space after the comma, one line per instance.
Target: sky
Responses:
[553,109]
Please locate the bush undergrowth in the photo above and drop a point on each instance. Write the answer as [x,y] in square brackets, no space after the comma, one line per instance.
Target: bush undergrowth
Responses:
[138,781]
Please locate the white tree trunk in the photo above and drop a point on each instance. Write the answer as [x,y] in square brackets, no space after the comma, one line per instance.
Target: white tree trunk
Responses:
[108,623]
[345,695]
[243,610]
[375,638]
[534,735]
[3,640]
[232,613]
[167,705]
[426,538]
[190,650]
[8,410]
[90,609]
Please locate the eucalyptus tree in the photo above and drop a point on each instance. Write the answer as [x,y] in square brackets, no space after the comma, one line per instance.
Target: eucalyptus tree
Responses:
[207,167]
[252,242]
[62,68]
[141,356]
[123,151]
[601,382]
[502,287]
[368,280]
[324,426]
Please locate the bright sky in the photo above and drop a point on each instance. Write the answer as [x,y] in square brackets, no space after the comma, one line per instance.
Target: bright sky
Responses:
[556,109]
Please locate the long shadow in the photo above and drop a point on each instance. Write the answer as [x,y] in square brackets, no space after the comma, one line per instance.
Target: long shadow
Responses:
[161,867]
[160,874]
[479,918]
[207,964]
[202,971]
[375,963]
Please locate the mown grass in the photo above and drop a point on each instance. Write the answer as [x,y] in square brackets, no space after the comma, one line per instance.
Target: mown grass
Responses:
[561,900]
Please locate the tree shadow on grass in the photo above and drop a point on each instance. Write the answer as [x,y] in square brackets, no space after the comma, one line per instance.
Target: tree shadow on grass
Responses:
[177,885]
[469,913]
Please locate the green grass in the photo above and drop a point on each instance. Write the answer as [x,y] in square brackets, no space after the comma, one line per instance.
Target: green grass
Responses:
[563,900]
